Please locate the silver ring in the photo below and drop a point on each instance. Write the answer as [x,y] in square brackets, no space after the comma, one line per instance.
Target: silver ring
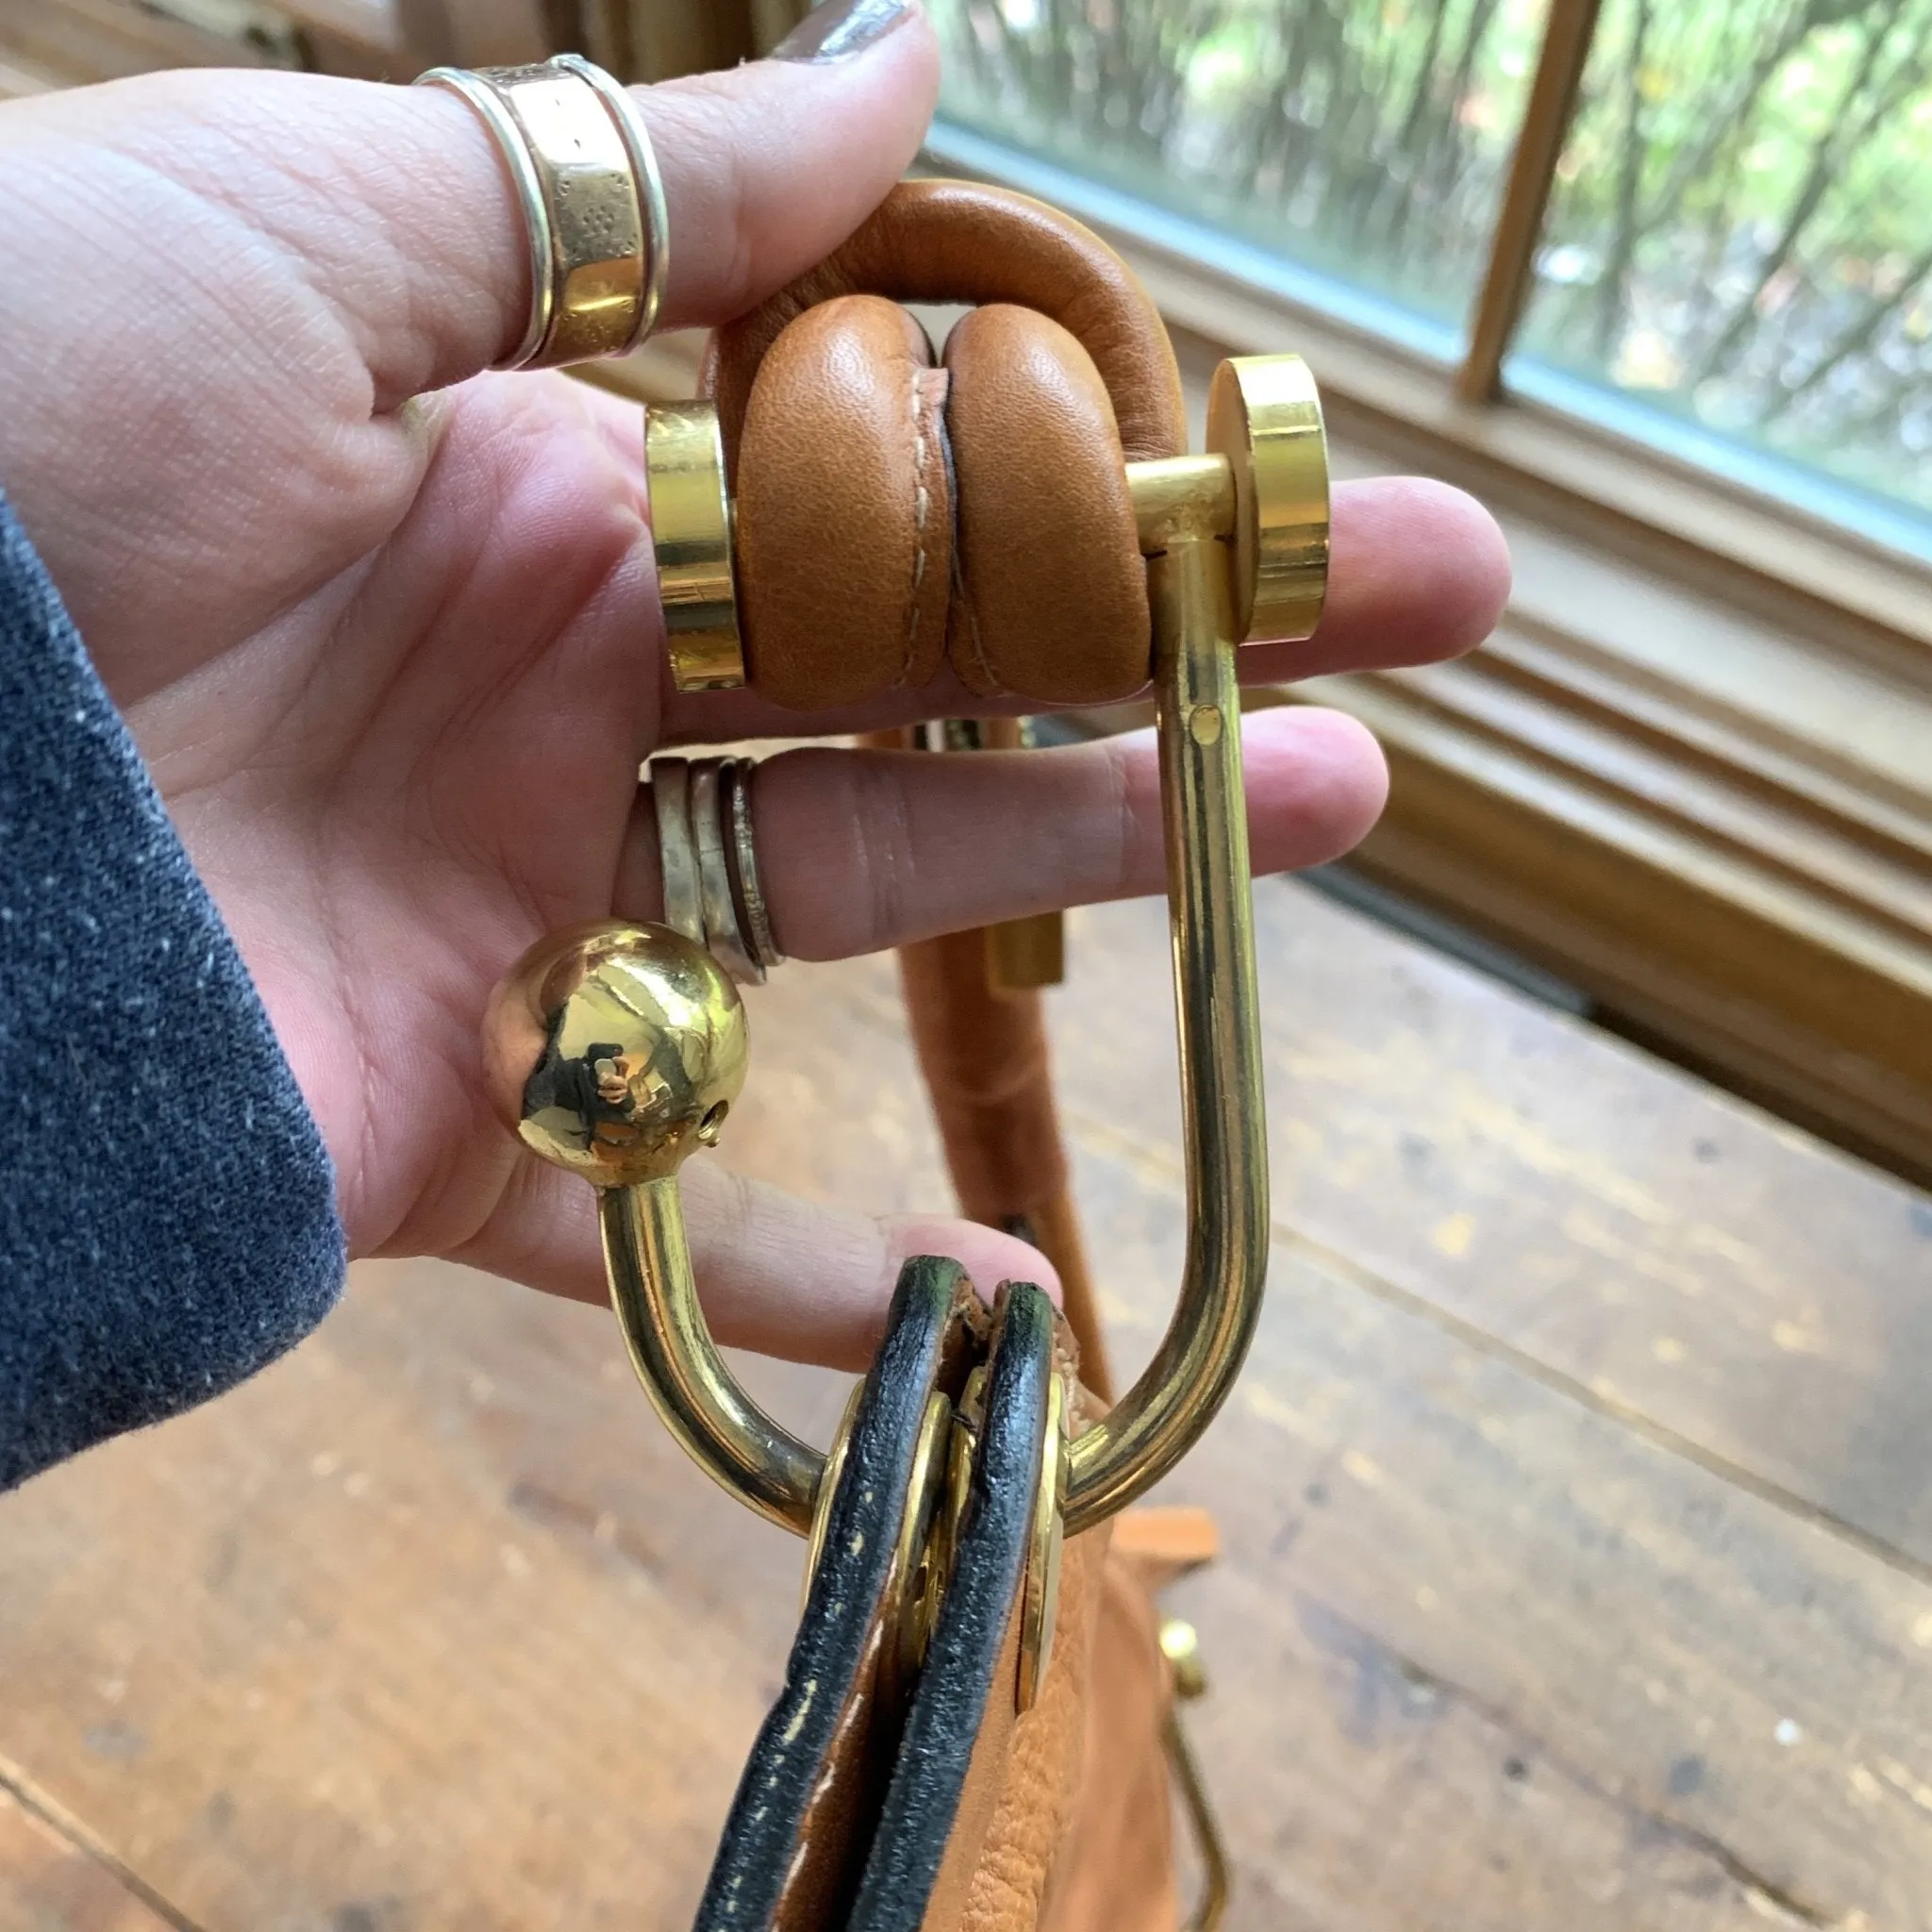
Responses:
[529,193]
[677,856]
[751,892]
[712,892]
[724,932]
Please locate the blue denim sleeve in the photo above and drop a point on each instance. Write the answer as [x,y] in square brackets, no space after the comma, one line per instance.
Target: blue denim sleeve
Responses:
[167,1208]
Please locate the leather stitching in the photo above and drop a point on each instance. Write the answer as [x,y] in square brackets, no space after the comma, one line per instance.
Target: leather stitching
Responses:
[990,684]
[921,510]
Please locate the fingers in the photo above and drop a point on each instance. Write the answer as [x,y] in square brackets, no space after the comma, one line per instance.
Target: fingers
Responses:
[766,169]
[863,850]
[1418,573]
[391,207]
[777,1274]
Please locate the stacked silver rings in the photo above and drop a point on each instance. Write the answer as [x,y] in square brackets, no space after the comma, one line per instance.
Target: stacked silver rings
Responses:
[713,892]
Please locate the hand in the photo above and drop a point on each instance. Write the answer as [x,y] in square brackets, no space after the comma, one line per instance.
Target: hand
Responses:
[386,629]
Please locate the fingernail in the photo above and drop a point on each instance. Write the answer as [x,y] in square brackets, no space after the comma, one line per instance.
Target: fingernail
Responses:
[839,28]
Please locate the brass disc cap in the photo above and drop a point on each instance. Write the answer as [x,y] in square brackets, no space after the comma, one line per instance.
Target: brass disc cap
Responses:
[1265,417]
[690,531]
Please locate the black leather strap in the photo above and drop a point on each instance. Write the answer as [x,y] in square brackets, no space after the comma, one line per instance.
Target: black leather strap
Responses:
[816,1775]
[950,1701]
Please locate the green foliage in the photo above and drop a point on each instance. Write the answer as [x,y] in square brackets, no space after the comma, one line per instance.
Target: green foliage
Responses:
[1742,231]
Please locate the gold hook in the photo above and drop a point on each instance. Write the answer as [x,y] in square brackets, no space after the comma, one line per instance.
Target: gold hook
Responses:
[1237,545]
[616,1050]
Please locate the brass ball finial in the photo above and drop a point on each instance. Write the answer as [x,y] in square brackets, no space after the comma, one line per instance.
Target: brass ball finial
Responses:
[615,1050]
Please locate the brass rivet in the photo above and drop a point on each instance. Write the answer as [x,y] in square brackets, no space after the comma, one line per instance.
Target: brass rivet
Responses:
[1203,724]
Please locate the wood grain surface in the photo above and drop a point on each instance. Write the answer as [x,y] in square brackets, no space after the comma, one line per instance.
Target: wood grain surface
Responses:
[1578,1521]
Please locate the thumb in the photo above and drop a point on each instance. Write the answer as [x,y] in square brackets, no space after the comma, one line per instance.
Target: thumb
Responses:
[394,206]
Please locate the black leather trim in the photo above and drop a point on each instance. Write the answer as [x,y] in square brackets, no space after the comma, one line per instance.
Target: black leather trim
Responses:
[830,1663]
[950,1701]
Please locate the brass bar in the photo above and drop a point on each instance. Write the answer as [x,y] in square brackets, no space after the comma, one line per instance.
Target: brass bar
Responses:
[1210,918]
[1180,1643]
[723,1431]
[1546,118]
[1209,1847]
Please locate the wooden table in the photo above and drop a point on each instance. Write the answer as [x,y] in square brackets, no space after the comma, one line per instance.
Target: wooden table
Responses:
[1576,1501]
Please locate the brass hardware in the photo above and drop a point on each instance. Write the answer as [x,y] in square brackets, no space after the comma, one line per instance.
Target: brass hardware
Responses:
[692,532]
[1181,1645]
[921,1557]
[1216,1005]
[922,1560]
[616,1050]
[1265,417]
[1040,1595]
[1244,529]
[1023,954]
[723,1431]
[829,1488]
[1180,496]
[969,1419]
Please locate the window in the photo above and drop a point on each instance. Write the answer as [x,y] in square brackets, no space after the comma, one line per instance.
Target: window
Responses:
[1737,263]
[1741,239]
[1653,277]
[1369,144]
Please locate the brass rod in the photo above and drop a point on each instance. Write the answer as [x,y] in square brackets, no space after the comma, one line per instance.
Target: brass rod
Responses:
[1179,495]
[1546,118]
[1210,918]
[654,1295]
[1209,1846]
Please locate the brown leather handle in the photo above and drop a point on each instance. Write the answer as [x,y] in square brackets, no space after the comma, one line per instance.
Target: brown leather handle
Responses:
[948,241]
[893,515]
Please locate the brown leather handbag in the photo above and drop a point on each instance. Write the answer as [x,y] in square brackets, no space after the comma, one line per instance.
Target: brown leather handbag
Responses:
[977,1726]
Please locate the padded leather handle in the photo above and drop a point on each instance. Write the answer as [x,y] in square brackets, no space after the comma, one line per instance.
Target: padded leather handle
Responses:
[893,515]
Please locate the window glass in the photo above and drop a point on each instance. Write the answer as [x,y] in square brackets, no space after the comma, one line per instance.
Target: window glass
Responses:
[1368,143]
[1739,237]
